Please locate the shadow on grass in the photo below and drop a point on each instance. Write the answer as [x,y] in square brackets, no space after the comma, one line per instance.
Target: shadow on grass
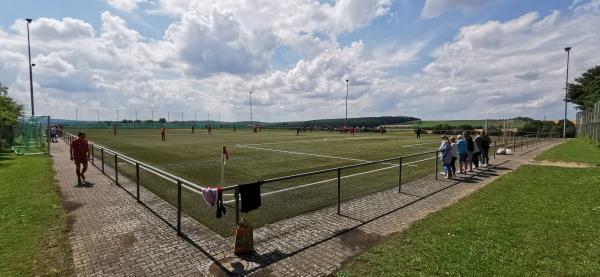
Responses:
[265,260]
[6,155]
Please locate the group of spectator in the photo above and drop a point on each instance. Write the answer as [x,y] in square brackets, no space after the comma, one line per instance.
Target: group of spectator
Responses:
[469,151]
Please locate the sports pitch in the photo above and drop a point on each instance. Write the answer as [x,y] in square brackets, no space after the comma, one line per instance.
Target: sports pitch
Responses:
[269,154]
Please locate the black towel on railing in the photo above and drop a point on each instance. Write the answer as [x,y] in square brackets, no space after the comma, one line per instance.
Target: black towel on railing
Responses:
[250,196]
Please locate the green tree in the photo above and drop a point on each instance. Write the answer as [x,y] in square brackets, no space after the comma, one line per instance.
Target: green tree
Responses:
[10,111]
[585,91]
[558,128]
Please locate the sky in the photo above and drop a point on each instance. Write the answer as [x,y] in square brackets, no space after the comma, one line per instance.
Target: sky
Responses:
[193,59]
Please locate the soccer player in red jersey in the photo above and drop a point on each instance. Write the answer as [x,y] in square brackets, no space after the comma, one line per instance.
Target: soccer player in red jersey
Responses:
[162,133]
[80,154]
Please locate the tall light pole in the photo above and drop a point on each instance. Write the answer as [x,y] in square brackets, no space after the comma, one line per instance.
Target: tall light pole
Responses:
[251,123]
[568,50]
[30,65]
[346,121]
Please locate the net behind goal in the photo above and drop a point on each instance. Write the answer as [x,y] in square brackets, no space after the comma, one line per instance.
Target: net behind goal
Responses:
[32,135]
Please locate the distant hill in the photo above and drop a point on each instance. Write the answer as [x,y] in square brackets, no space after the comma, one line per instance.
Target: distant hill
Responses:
[337,122]
[517,123]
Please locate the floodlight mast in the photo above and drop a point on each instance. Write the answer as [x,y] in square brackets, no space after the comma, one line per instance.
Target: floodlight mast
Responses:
[346,121]
[568,50]
[251,123]
[30,66]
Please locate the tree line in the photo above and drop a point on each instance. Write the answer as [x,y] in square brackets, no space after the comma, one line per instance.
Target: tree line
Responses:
[10,111]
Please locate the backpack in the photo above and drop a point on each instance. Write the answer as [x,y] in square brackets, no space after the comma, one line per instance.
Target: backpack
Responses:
[470,145]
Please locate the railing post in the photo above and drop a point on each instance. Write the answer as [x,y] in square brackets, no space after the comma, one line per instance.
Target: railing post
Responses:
[495,149]
[339,191]
[137,181]
[236,194]
[102,158]
[521,143]
[437,161]
[179,207]
[400,176]
[93,155]
[514,143]
[116,170]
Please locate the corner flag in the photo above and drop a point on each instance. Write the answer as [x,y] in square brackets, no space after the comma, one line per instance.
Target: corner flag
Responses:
[225,155]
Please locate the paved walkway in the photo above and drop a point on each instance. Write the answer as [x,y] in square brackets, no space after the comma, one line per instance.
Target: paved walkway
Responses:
[112,234]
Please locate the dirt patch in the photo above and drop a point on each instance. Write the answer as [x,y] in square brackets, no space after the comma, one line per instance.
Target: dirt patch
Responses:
[71,206]
[563,164]
[70,222]
[127,240]
[359,239]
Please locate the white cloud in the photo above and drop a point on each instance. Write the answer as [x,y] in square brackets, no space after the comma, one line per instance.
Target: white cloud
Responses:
[521,60]
[435,8]
[212,55]
[49,29]
[216,43]
[125,5]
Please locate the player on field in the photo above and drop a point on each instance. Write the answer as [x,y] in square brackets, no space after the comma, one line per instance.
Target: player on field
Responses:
[209,130]
[115,130]
[162,133]
[80,154]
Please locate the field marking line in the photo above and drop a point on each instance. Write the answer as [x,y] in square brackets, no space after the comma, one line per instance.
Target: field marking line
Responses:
[325,139]
[302,153]
[410,145]
[333,179]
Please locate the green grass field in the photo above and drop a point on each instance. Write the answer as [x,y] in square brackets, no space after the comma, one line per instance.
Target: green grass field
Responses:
[33,239]
[268,154]
[580,150]
[535,221]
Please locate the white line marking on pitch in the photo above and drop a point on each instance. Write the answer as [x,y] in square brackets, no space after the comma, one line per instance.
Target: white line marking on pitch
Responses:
[333,179]
[314,140]
[410,145]
[301,153]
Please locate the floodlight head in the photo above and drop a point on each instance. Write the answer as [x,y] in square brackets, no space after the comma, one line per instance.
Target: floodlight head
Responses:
[32,64]
[250,92]
[567,49]
[28,20]
[346,80]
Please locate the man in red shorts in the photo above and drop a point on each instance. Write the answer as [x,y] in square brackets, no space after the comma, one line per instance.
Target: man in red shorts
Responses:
[80,154]
[162,133]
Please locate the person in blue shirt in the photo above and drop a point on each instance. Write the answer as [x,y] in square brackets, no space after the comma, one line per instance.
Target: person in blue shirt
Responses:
[463,154]
[446,155]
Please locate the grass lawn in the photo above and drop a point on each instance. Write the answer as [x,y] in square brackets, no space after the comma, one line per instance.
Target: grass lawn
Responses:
[537,220]
[33,238]
[580,150]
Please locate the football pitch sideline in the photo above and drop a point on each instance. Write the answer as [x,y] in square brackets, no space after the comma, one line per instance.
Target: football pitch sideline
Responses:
[265,155]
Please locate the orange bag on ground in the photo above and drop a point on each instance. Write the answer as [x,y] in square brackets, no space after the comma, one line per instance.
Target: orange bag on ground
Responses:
[244,238]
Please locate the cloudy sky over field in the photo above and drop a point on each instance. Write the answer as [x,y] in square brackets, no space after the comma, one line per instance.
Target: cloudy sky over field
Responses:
[432,59]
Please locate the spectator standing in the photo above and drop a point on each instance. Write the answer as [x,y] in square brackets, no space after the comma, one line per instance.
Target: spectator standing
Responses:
[446,155]
[470,150]
[462,154]
[486,141]
[455,156]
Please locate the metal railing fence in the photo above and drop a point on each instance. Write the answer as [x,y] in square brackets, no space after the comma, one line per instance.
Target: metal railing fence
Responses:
[588,123]
[283,197]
